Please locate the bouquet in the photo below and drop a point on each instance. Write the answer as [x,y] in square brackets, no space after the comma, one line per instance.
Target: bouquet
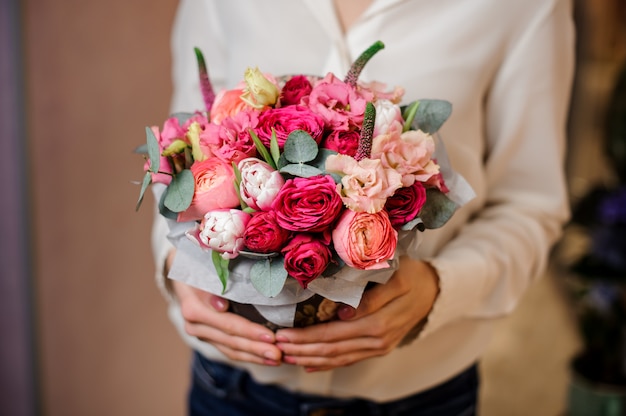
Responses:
[289,194]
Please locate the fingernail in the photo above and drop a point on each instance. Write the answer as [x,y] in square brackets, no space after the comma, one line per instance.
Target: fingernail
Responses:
[289,360]
[271,355]
[346,312]
[267,338]
[218,303]
[281,338]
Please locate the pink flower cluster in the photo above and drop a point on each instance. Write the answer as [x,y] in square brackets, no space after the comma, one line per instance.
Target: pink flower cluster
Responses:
[242,203]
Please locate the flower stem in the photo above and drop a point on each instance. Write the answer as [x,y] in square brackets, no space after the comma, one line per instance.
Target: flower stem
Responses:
[359,64]
[205,83]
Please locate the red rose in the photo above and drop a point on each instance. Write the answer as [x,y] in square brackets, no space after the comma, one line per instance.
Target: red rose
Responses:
[343,142]
[306,258]
[294,90]
[263,234]
[284,120]
[405,204]
[308,204]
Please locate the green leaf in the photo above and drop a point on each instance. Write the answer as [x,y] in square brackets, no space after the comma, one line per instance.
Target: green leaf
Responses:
[302,170]
[300,147]
[431,114]
[260,147]
[221,267]
[268,276]
[147,180]
[274,148]
[415,223]
[164,211]
[141,149]
[154,152]
[320,161]
[409,115]
[282,162]
[179,193]
[437,210]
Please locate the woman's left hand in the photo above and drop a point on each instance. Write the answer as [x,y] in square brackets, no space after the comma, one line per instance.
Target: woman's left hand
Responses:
[384,317]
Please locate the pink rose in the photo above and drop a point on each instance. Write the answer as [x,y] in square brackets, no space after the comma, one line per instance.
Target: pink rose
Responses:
[388,118]
[259,183]
[409,154]
[214,189]
[343,142]
[227,103]
[230,141]
[308,204]
[365,241]
[306,258]
[223,231]
[263,233]
[294,90]
[366,184]
[339,104]
[405,204]
[284,120]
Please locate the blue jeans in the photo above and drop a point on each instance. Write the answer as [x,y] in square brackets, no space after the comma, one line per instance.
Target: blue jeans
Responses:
[218,389]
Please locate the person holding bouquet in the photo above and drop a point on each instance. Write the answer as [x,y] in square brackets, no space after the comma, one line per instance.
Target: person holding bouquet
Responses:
[412,345]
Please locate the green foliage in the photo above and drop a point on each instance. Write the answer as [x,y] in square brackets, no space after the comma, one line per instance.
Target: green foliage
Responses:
[268,276]
[147,180]
[154,153]
[221,267]
[260,147]
[437,210]
[300,147]
[431,114]
[179,193]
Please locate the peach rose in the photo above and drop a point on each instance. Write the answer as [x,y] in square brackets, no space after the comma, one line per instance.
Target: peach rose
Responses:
[214,189]
[365,241]
[227,104]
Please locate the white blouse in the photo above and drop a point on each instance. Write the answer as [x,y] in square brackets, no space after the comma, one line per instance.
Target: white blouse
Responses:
[506,67]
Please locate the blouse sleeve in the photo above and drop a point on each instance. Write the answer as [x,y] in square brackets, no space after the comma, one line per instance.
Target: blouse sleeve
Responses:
[487,267]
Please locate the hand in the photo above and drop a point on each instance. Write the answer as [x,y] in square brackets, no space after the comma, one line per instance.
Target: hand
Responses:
[236,337]
[384,317]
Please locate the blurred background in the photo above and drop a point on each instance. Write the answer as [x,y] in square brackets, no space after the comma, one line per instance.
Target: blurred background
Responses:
[83,328]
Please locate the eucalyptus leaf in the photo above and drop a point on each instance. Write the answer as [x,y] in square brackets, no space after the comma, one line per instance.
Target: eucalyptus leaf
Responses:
[154,152]
[431,114]
[437,210]
[320,160]
[413,224]
[268,276]
[164,211]
[147,180]
[221,267]
[302,170]
[141,149]
[179,193]
[300,147]
[282,162]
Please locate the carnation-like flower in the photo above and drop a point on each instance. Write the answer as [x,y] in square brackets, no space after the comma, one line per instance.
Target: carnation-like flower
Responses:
[339,104]
[260,91]
[365,184]
[230,141]
[223,230]
[365,241]
[284,120]
[213,189]
[308,204]
[306,258]
[380,92]
[408,153]
[259,183]
[263,233]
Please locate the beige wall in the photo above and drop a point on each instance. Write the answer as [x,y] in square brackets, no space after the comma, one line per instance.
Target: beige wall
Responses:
[96,74]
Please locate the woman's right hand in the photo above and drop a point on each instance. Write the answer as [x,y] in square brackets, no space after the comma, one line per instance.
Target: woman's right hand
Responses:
[207,319]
